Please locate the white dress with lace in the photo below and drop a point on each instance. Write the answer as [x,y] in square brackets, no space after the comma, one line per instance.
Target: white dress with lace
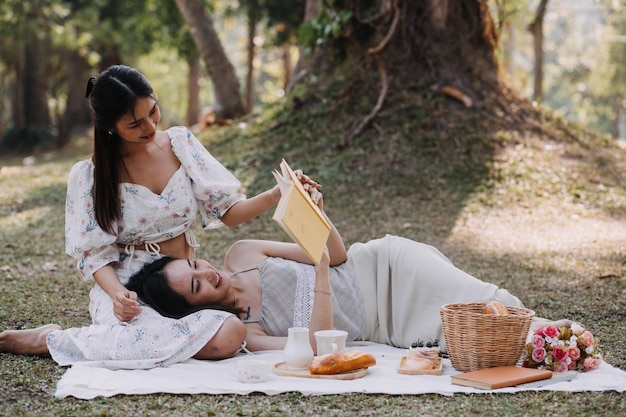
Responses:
[202,187]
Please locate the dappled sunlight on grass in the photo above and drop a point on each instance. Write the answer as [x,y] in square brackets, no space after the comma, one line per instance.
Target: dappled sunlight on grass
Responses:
[546,239]
[26,218]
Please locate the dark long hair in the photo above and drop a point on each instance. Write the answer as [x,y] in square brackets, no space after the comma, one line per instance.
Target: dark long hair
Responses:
[150,284]
[112,94]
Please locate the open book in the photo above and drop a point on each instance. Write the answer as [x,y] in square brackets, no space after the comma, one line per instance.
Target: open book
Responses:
[299,216]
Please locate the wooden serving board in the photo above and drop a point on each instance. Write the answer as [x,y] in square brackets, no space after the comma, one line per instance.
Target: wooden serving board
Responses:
[437,368]
[282,369]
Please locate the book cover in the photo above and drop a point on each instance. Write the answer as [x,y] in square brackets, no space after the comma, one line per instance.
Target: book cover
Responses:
[557,377]
[299,216]
[500,377]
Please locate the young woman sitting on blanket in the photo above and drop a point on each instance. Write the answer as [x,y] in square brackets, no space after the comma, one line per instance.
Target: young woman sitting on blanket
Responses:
[135,200]
[387,290]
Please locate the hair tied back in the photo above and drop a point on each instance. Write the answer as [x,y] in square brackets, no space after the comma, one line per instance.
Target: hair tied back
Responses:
[90,82]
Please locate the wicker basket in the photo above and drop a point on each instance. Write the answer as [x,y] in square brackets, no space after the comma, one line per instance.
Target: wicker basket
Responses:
[475,340]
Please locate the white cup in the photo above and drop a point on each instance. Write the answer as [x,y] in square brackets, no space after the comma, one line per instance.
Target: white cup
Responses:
[253,370]
[329,341]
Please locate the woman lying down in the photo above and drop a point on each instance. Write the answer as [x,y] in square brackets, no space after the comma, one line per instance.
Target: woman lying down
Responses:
[387,290]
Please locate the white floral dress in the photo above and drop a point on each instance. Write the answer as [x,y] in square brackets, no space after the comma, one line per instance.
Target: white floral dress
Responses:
[201,187]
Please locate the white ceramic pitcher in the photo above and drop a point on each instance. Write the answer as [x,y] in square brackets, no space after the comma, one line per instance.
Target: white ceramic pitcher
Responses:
[298,353]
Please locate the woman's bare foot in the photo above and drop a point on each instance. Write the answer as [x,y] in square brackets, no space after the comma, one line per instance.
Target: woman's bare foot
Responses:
[27,342]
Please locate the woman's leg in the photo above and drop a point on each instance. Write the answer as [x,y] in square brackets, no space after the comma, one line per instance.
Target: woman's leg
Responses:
[27,342]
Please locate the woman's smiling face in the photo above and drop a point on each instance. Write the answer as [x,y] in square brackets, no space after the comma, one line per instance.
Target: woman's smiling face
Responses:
[140,125]
[199,282]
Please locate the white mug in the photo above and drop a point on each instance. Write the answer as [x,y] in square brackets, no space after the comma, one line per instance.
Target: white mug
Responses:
[253,370]
[329,341]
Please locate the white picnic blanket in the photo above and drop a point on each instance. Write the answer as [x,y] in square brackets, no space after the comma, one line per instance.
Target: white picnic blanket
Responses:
[218,377]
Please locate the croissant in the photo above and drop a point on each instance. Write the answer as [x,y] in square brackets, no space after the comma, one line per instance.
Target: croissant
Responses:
[341,362]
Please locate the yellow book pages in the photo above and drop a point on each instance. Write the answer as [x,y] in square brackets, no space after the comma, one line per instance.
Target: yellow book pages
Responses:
[298,216]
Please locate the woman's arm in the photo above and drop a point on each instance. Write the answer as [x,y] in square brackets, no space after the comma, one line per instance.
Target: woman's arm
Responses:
[257,339]
[335,245]
[245,210]
[125,304]
[322,316]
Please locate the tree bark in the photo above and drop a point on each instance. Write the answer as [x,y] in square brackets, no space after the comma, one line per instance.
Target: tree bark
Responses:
[439,13]
[76,109]
[617,116]
[36,112]
[287,67]
[193,95]
[228,102]
[252,21]
[536,28]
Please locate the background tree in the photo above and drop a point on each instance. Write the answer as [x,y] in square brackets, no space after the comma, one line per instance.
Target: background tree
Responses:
[176,35]
[54,44]
[403,44]
[283,21]
[27,24]
[614,73]
[536,29]
[228,100]
[277,23]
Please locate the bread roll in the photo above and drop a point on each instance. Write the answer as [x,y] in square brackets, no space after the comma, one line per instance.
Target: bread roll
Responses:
[496,307]
[340,362]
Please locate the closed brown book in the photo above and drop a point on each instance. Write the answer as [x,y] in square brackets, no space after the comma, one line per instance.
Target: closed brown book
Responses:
[500,377]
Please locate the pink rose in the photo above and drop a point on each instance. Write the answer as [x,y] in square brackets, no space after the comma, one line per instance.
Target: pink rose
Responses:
[537,341]
[591,363]
[586,338]
[559,354]
[560,367]
[551,331]
[574,353]
[539,355]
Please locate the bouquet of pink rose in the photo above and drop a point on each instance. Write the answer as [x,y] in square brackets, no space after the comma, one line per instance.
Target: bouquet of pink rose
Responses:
[562,349]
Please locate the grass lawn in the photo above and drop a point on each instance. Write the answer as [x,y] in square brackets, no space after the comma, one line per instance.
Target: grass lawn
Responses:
[540,215]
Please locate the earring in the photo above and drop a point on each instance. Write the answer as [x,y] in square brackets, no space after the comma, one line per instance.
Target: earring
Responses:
[110,133]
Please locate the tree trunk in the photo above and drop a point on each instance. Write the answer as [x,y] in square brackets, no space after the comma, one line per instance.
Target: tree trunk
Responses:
[252,22]
[228,101]
[439,13]
[305,64]
[18,114]
[394,46]
[76,108]
[509,48]
[287,67]
[617,116]
[536,28]
[36,109]
[193,95]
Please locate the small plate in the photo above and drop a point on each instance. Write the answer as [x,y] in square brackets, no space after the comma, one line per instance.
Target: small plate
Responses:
[281,368]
